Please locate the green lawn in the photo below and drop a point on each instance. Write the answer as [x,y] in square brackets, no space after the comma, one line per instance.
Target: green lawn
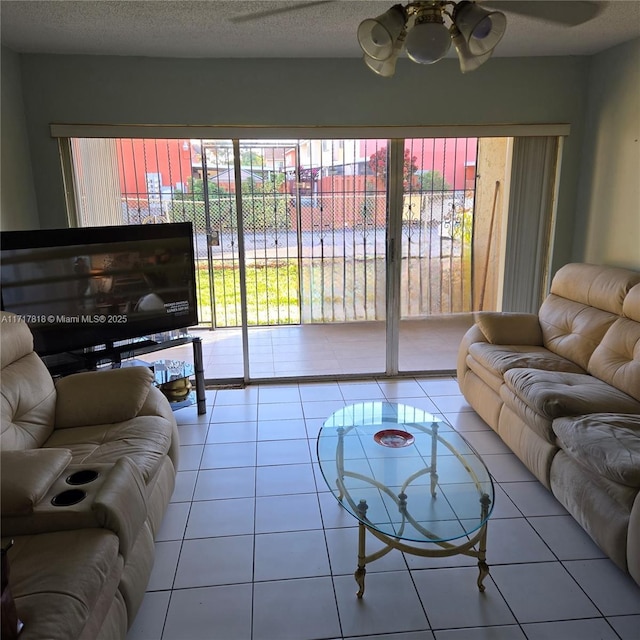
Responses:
[272,295]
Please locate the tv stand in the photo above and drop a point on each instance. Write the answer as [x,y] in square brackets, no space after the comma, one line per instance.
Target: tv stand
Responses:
[113,353]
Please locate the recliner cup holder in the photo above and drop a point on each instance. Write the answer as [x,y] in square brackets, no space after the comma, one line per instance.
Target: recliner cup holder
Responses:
[67,498]
[84,476]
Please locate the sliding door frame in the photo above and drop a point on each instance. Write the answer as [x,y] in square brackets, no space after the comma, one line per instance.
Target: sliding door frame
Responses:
[396,137]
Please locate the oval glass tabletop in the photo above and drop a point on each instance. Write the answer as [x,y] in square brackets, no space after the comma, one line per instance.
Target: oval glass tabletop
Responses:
[404,472]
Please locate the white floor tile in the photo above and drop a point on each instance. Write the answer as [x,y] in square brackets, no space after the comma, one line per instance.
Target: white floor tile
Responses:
[486,442]
[268,394]
[294,610]
[533,499]
[514,540]
[236,482]
[232,432]
[409,635]
[287,513]
[502,505]
[164,565]
[321,409]
[185,484]
[343,552]
[149,621]
[566,538]
[215,561]
[611,590]
[390,604]
[510,632]
[211,518]
[626,626]
[283,452]
[190,456]
[174,522]
[435,387]
[401,389]
[234,413]
[193,433]
[451,404]
[451,598]
[593,629]
[223,612]
[333,514]
[320,392]
[506,467]
[361,391]
[281,430]
[224,456]
[466,421]
[542,592]
[300,554]
[285,479]
[280,411]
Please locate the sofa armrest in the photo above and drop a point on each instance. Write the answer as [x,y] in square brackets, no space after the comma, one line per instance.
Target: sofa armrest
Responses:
[101,397]
[114,500]
[510,328]
[27,475]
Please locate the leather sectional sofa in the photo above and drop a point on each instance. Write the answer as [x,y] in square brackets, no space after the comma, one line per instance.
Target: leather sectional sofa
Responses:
[562,390]
[88,467]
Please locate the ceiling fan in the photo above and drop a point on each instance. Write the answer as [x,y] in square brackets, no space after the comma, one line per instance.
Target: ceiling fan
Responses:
[426,29]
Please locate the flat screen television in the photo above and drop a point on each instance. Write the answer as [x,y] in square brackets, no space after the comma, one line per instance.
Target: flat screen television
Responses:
[88,287]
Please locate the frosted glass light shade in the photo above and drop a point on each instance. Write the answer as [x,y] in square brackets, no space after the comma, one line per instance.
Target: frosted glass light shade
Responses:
[428,42]
[377,36]
[481,29]
[468,62]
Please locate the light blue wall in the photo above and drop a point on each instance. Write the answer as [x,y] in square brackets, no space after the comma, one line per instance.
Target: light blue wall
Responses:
[124,90]
[608,212]
[18,208]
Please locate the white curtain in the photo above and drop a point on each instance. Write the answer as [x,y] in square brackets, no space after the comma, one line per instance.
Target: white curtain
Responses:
[96,183]
[531,203]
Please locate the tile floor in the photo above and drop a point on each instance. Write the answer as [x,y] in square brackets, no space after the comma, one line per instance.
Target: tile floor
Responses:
[333,349]
[254,547]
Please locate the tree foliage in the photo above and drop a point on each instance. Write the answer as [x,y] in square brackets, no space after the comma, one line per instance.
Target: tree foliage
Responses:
[378,162]
[433,181]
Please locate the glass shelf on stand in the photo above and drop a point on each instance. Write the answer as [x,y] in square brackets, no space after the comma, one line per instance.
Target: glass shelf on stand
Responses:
[173,379]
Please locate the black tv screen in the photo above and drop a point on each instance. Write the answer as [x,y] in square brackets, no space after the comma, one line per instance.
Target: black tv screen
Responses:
[79,288]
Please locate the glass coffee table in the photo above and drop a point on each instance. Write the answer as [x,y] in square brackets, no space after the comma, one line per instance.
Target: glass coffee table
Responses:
[408,477]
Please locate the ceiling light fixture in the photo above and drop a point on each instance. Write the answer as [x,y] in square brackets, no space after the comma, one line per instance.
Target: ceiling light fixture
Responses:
[420,29]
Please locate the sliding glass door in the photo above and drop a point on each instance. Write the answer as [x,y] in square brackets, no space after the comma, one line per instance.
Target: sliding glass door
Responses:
[325,256]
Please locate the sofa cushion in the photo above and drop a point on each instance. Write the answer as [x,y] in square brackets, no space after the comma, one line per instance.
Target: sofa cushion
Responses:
[602,287]
[501,358]
[616,359]
[607,444]
[99,397]
[145,440]
[572,329]
[28,403]
[510,328]
[555,394]
[62,581]
[16,339]
[631,305]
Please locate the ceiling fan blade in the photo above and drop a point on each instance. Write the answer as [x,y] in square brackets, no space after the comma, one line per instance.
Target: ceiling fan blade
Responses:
[258,15]
[568,12]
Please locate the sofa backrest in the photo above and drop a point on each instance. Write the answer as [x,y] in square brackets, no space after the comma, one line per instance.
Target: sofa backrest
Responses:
[616,359]
[28,396]
[584,303]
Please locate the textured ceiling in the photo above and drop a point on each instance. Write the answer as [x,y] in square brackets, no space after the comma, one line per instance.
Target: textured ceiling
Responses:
[205,29]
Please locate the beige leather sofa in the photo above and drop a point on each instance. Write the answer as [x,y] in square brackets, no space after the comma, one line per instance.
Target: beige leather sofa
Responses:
[88,468]
[562,389]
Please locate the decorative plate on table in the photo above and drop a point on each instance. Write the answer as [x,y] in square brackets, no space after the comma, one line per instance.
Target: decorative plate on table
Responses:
[393,438]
